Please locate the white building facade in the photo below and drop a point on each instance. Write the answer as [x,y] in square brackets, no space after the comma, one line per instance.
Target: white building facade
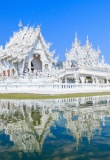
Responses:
[26,53]
[26,66]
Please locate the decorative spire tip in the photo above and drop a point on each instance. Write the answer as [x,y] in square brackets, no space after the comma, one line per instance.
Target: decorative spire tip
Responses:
[20,24]
[76,35]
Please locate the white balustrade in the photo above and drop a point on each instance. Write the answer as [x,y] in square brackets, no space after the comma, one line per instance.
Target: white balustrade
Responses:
[52,88]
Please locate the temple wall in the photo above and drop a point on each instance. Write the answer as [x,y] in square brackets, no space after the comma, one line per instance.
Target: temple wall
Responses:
[24,87]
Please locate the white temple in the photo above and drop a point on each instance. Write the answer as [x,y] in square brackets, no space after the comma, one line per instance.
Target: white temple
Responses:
[26,53]
[87,64]
[26,59]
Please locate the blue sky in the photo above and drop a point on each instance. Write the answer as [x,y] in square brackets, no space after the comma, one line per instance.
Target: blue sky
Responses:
[59,20]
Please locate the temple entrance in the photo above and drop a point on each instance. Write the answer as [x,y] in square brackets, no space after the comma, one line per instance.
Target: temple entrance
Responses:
[89,80]
[36,64]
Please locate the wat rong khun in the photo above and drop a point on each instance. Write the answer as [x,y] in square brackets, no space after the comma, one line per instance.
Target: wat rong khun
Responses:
[28,66]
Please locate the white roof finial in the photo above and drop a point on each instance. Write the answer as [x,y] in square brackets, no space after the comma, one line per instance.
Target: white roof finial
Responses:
[39,26]
[20,24]
[98,49]
[76,42]
[76,36]
[66,50]
[87,40]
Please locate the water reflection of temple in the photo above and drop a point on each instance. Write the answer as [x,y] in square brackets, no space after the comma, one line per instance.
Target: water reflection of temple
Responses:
[28,122]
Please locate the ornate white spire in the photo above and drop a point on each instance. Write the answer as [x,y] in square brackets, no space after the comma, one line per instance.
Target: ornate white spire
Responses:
[20,24]
[102,60]
[76,37]
[87,40]
[98,50]
[76,42]
[39,27]
[1,47]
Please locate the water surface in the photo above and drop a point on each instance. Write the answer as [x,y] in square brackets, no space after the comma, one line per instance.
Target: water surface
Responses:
[58,129]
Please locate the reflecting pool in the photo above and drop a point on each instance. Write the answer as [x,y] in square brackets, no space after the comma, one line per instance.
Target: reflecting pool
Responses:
[57,129]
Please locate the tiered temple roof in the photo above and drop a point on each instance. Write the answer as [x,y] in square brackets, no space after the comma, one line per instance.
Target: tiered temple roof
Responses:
[85,56]
[23,42]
